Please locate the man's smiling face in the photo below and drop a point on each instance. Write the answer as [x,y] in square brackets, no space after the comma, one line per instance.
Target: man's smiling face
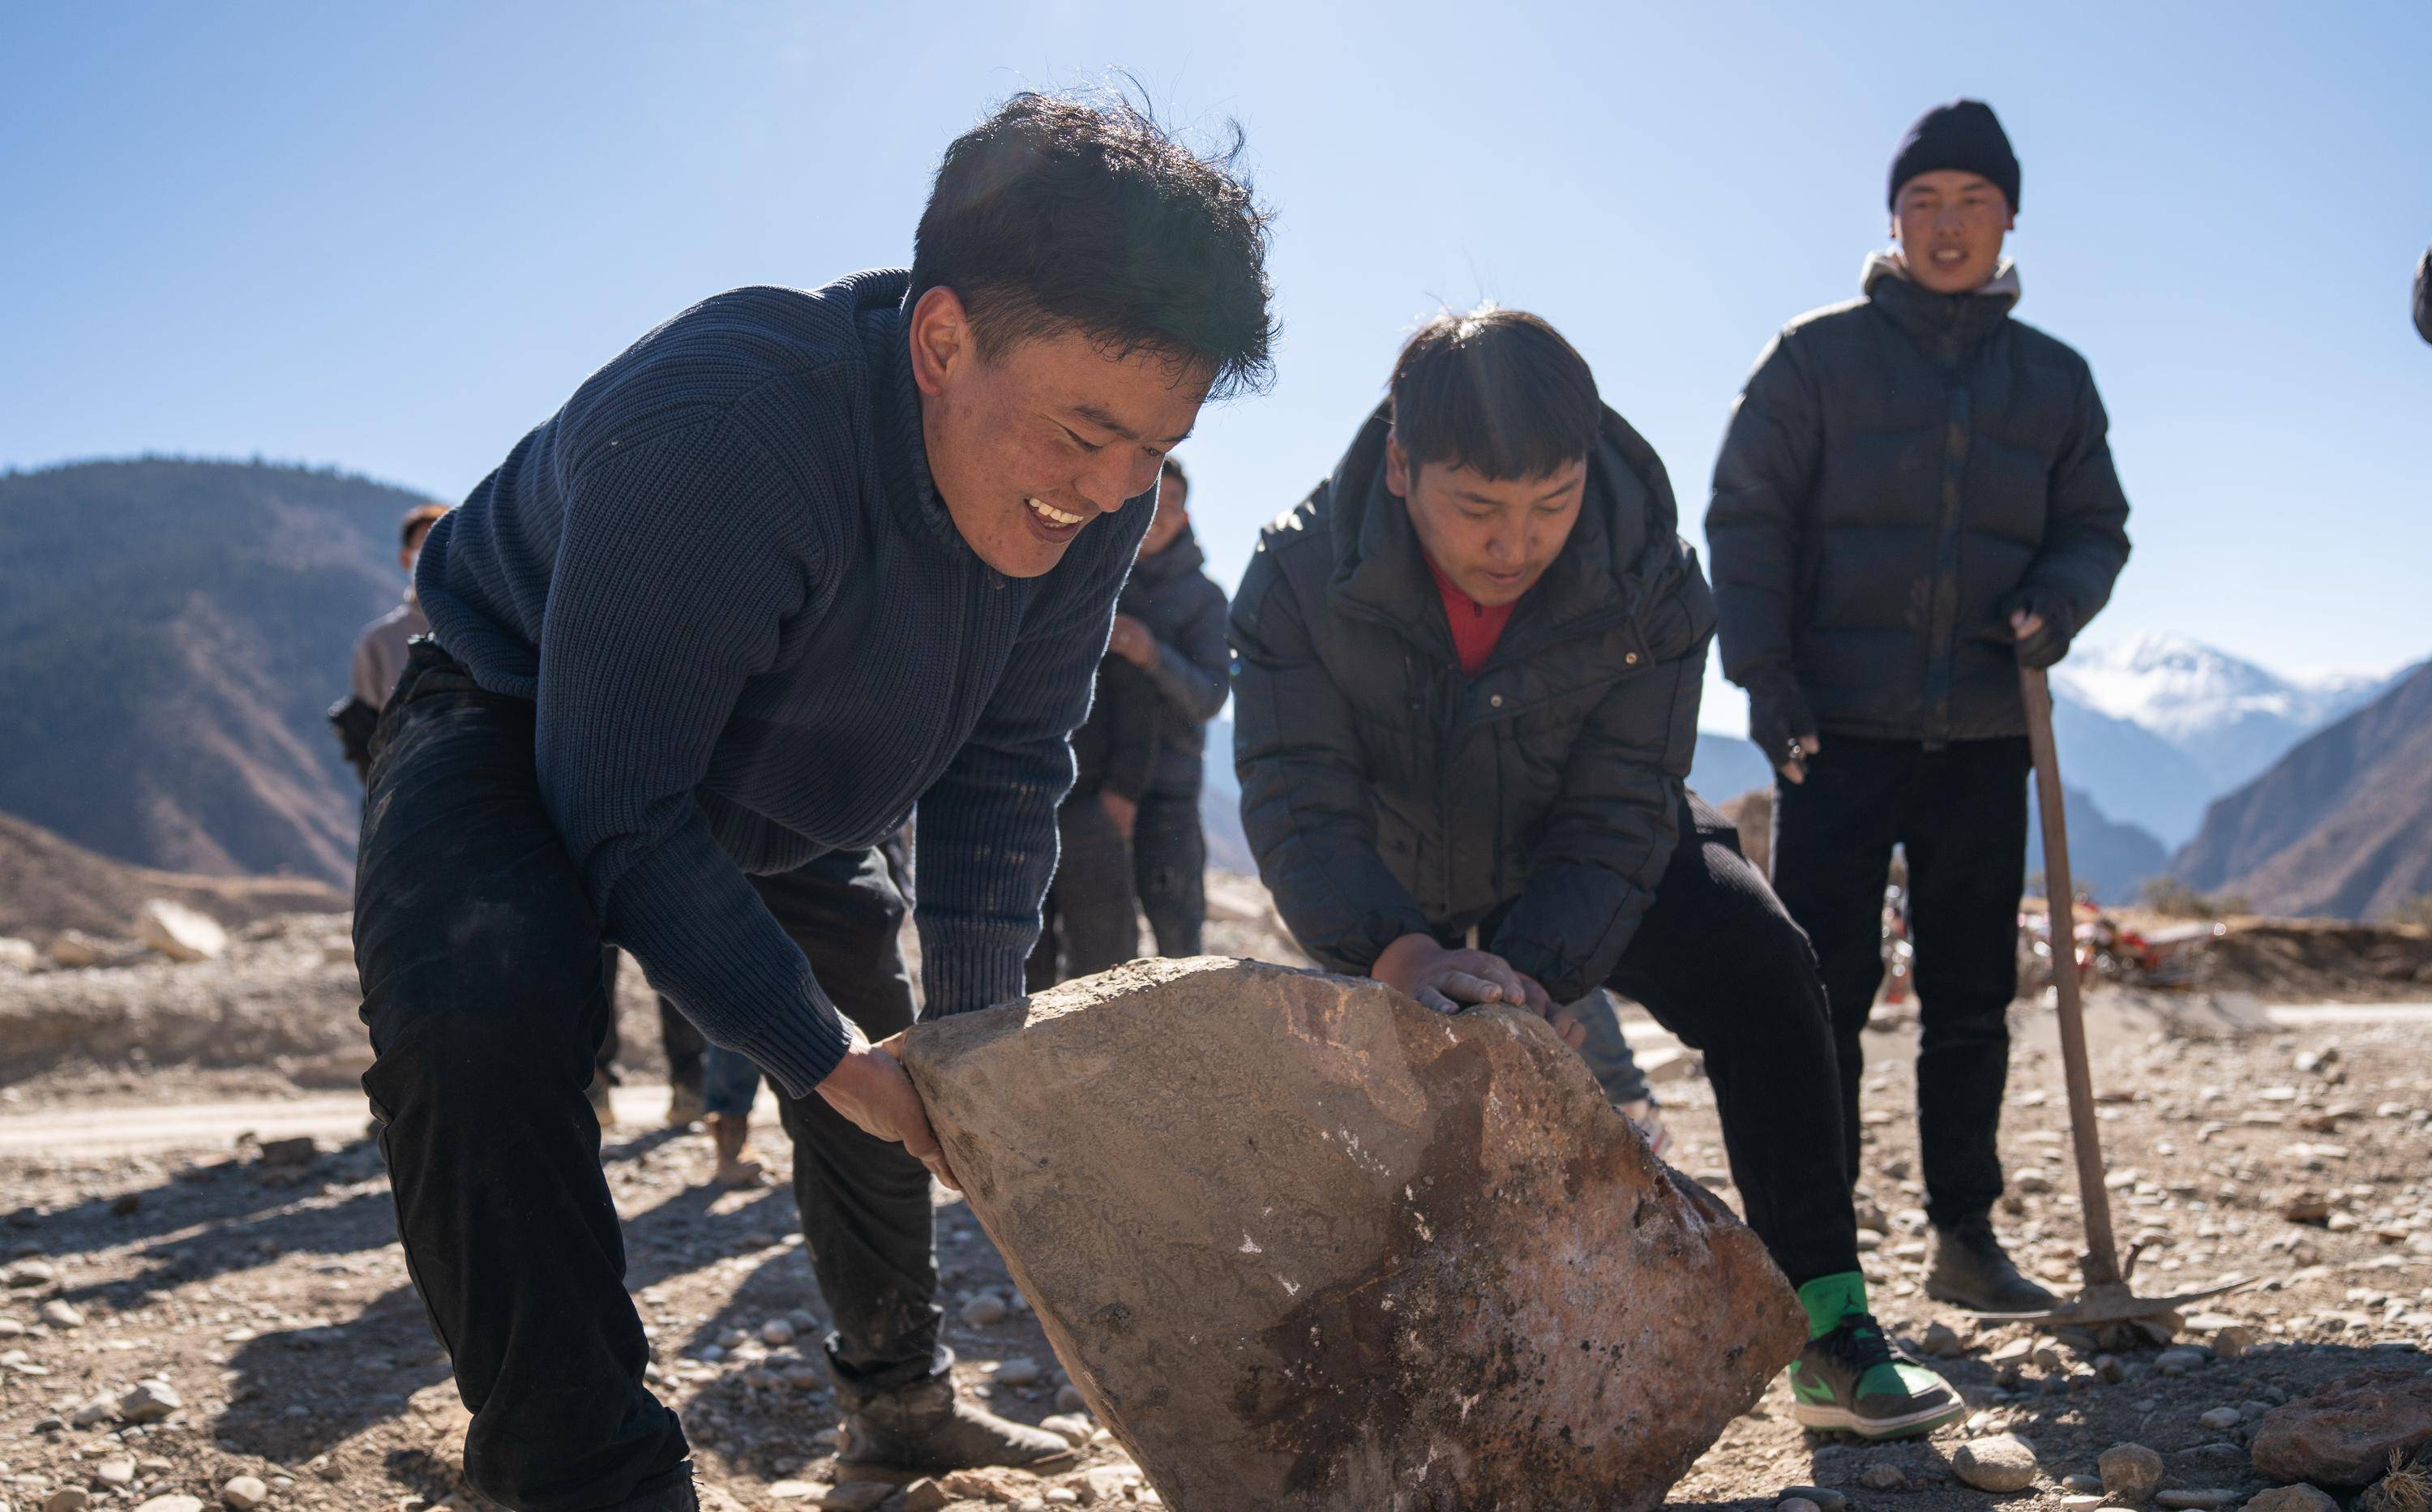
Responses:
[1030,444]
[1950,225]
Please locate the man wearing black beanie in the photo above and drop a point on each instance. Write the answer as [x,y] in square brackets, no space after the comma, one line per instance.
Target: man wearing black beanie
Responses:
[1916,496]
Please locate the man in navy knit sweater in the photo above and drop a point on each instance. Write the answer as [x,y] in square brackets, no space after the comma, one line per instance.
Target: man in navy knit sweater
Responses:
[793,563]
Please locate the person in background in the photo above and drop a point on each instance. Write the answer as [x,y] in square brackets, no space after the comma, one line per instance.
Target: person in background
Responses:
[1467,687]
[1170,625]
[380,650]
[1087,924]
[1914,499]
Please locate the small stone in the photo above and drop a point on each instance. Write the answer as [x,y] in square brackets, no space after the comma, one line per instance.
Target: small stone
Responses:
[777,1332]
[179,932]
[1073,1428]
[2344,1432]
[74,947]
[2299,1498]
[67,1499]
[18,955]
[1827,1499]
[924,1495]
[2082,1485]
[1941,1340]
[101,1409]
[1017,1372]
[149,1401]
[2110,1368]
[2178,1362]
[2080,1500]
[2005,1462]
[2306,1207]
[797,1491]
[117,1472]
[1103,1483]
[27,1274]
[2130,1472]
[2195,1500]
[290,1154]
[984,1310]
[60,1313]
[2231,1342]
[1796,1503]
[1068,1399]
[855,1496]
[1884,1477]
[171,1503]
[2222,1419]
[243,1494]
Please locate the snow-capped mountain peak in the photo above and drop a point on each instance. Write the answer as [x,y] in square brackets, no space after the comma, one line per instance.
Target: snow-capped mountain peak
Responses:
[2183,689]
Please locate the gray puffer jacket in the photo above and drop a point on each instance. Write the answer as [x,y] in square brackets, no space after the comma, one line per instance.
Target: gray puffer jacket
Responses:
[1897,468]
[1387,794]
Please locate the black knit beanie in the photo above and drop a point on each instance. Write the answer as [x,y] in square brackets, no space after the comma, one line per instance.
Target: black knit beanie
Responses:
[1963,135]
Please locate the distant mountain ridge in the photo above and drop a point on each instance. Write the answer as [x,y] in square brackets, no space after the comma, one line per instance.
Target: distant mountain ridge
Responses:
[2341,825]
[170,633]
[2227,716]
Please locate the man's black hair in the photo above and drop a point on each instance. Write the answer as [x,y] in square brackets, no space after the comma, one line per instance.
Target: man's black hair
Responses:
[1057,214]
[1497,391]
[1169,465]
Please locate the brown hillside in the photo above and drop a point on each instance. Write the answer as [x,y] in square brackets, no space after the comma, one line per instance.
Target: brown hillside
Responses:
[47,885]
[2340,828]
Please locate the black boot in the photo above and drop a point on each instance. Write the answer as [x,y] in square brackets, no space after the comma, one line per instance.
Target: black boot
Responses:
[926,1427]
[1970,1270]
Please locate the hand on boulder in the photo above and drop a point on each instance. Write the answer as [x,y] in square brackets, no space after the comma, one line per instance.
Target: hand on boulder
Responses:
[1449,980]
[870,1087]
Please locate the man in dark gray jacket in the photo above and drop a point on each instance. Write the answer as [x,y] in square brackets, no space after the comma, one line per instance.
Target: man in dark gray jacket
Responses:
[1170,623]
[1466,696]
[1916,496]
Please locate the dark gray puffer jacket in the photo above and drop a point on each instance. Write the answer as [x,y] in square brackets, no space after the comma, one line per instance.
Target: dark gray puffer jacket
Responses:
[1172,595]
[1897,467]
[1386,793]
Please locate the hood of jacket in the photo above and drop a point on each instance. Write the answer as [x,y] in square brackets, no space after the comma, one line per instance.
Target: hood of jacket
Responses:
[1929,318]
[1626,535]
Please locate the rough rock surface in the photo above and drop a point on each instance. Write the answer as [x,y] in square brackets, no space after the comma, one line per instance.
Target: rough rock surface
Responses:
[1303,1244]
[2344,1432]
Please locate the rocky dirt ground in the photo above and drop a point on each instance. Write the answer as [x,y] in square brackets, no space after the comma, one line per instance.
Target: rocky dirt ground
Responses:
[193,1314]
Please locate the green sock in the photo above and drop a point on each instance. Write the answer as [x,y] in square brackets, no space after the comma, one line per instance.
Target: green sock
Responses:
[1831,1298]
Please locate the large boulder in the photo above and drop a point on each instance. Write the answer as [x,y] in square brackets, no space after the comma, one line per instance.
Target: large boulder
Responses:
[1303,1244]
[2344,1431]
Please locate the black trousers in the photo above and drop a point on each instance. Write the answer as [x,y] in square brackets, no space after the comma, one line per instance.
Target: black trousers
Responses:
[1718,962]
[1960,814]
[683,1043]
[1170,870]
[482,990]
[1087,925]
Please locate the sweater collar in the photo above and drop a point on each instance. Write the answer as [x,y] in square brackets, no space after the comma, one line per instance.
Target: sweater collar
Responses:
[1946,325]
[895,408]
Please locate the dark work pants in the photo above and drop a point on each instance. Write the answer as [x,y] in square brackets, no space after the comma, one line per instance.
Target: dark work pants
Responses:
[677,1037]
[1170,869]
[1087,924]
[1717,961]
[864,1200]
[482,990]
[1960,814]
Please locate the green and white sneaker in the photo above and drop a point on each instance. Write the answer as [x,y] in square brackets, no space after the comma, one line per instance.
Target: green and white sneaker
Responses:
[1849,1380]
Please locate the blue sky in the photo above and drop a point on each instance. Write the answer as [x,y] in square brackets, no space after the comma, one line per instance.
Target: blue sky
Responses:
[394,238]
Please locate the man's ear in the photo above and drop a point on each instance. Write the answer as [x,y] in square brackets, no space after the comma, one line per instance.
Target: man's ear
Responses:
[942,339]
[1397,468]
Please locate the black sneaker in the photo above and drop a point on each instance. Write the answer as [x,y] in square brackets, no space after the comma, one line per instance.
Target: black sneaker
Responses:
[1970,1270]
[1849,1381]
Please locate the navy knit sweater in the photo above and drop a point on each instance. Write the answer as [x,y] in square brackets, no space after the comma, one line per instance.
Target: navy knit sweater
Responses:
[753,634]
